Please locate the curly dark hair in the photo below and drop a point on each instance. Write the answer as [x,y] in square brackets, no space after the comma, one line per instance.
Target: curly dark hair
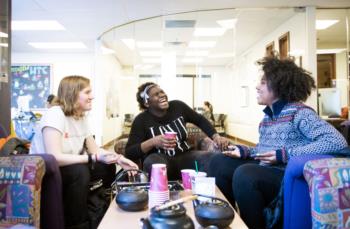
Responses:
[287,81]
[140,99]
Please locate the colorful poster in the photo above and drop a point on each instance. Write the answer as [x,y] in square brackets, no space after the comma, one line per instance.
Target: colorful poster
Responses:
[30,86]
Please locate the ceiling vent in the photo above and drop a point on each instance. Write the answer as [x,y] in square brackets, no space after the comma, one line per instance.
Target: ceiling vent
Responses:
[173,24]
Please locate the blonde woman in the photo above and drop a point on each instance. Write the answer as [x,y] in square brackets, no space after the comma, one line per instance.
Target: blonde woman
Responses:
[64,133]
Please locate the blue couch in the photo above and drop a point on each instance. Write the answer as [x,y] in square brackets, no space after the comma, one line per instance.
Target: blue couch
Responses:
[297,202]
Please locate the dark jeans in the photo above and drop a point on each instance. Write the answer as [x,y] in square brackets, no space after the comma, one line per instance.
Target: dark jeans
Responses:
[251,185]
[75,183]
[174,164]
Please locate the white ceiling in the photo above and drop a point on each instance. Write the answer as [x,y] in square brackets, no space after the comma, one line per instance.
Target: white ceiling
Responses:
[86,20]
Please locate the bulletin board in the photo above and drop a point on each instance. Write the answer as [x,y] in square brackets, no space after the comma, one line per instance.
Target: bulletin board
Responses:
[30,85]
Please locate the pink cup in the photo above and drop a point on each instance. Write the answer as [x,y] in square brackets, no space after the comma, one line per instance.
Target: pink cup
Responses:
[186,178]
[170,134]
[159,178]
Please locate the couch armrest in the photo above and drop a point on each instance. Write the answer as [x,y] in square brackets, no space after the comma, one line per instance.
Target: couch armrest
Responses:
[297,203]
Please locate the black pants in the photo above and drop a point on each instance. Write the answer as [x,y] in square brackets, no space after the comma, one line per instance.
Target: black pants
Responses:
[251,185]
[75,182]
[174,164]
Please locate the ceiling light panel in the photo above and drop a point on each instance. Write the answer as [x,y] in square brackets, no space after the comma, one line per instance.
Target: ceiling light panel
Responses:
[4,45]
[228,23]
[150,53]
[36,25]
[58,45]
[192,60]
[209,32]
[202,44]
[151,60]
[149,44]
[197,53]
[324,24]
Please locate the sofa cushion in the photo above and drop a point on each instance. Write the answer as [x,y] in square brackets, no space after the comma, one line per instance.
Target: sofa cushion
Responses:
[329,185]
[20,188]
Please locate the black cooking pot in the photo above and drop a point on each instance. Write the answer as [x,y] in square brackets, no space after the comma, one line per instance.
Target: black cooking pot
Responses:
[173,217]
[212,211]
[131,198]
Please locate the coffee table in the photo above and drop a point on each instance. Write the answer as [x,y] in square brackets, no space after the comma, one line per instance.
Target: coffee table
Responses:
[118,218]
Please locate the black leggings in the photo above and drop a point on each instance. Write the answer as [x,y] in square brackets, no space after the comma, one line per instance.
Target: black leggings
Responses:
[174,164]
[75,182]
[251,185]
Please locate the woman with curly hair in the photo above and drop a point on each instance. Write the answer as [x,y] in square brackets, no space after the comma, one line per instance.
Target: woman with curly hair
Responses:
[252,176]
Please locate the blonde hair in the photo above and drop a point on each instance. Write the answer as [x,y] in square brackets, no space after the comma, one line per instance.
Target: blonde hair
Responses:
[68,92]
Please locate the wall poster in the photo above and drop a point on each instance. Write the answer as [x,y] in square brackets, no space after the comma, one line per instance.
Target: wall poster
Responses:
[30,84]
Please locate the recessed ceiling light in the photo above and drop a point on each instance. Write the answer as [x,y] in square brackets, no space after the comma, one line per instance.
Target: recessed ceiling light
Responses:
[151,60]
[324,24]
[197,53]
[3,34]
[58,45]
[202,44]
[329,51]
[36,25]
[192,60]
[228,23]
[129,42]
[150,53]
[4,44]
[209,32]
[149,44]
[222,55]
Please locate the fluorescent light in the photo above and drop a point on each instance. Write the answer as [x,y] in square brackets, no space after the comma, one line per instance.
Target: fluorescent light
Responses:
[209,32]
[36,25]
[107,51]
[328,51]
[143,66]
[324,24]
[3,34]
[192,60]
[202,44]
[150,53]
[57,45]
[129,42]
[197,53]
[4,45]
[151,60]
[228,23]
[149,44]
[222,55]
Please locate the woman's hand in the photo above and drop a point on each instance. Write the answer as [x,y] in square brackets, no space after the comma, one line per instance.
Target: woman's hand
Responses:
[161,141]
[220,142]
[268,157]
[106,157]
[233,152]
[126,163]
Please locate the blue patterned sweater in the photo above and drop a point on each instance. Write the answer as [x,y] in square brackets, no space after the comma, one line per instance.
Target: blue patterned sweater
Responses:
[293,129]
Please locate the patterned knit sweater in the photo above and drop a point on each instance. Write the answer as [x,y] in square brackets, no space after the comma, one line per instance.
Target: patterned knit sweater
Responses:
[293,129]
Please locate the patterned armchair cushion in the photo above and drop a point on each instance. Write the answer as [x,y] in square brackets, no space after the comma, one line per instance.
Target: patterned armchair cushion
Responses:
[119,146]
[20,188]
[329,185]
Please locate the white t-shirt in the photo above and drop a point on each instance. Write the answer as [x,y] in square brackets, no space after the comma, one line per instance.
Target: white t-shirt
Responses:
[74,131]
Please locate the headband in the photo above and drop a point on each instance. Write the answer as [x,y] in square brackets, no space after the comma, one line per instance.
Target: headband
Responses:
[144,94]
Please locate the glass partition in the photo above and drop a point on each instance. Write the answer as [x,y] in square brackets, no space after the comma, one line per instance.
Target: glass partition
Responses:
[333,61]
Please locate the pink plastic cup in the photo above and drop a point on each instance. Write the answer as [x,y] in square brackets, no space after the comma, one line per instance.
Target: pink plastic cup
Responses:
[159,178]
[186,178]
[170,134]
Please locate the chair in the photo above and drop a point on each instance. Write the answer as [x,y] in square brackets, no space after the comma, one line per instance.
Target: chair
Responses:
[219,123]
[30,169]
[297,202]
